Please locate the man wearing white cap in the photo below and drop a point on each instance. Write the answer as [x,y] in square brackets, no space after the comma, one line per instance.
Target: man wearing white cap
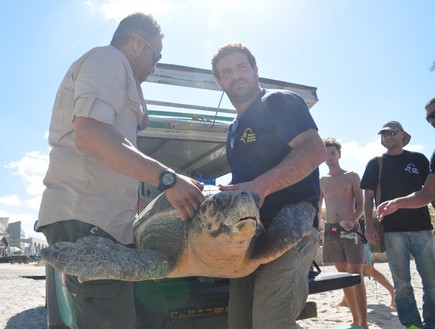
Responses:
[407,231]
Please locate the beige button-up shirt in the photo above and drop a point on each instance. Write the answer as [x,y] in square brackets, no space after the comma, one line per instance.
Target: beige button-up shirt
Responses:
[99,85]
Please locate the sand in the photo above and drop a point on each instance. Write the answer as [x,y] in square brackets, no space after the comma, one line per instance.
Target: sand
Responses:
[23,300]
[380,315]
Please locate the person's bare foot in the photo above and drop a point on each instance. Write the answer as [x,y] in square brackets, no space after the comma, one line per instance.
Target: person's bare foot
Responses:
[393,303]
[342,303]
[353,325]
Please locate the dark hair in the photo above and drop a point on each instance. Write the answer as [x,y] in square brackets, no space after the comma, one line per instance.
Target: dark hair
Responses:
[332,142]
[429,103]
[228,49]
[144,25]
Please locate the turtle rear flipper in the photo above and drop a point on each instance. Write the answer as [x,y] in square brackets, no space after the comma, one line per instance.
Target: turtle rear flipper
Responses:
[96,258]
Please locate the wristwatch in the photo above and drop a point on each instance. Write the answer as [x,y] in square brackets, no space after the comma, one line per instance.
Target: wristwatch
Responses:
[167,179]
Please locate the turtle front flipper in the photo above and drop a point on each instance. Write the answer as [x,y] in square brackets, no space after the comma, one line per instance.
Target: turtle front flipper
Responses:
[287,229]
[96,258]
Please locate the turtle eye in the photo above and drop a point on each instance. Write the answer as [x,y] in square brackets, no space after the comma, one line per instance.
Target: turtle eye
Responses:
[203,208]
[221,200]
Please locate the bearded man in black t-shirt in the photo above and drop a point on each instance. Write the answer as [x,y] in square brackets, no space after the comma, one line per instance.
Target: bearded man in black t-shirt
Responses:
[407,231]
[273,149]
[427,193]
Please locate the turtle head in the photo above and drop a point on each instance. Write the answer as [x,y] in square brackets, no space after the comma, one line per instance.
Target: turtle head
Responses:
[232,215]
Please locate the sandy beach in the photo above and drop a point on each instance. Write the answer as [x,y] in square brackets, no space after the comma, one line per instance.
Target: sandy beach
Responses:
[23,300]
[22,303]
[380,315]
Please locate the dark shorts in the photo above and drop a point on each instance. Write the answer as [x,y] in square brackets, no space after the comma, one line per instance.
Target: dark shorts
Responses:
[108,303]
[103,303]
[343,247]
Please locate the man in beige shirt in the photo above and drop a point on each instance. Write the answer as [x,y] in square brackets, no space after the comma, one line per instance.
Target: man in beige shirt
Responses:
[95,167]
[344,200]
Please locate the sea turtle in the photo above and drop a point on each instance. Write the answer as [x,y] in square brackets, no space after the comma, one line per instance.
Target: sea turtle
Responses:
[225,239]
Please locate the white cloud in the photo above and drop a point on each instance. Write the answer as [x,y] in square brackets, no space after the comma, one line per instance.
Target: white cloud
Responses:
[118,9]
[15,217]
[34,202]
[354,157]
[27,220]
[206,10]
[31,169]
[213,21]
[10,200]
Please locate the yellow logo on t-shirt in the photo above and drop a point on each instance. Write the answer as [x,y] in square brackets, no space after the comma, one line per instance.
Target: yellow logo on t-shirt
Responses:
[248,136]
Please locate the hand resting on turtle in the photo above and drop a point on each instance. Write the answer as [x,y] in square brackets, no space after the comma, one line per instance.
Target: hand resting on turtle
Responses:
[225,239]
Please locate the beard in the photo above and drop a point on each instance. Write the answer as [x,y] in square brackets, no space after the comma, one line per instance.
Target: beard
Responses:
[242,90]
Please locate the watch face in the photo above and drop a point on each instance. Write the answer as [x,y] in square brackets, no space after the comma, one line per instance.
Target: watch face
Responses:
[168,178]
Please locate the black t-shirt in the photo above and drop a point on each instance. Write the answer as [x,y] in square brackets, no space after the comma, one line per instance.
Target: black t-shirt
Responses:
[401,175]
[258,141]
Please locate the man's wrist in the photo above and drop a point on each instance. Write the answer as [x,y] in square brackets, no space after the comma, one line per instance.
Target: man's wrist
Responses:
[167,179]
[369,219]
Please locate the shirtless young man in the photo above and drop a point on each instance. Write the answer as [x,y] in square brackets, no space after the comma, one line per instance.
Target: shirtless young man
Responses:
[344,207]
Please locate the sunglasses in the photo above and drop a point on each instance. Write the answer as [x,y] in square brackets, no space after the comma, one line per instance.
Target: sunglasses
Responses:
[386,133]
[430,116]
[157,55]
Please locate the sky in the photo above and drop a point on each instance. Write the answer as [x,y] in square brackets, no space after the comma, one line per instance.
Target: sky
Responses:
[368,59]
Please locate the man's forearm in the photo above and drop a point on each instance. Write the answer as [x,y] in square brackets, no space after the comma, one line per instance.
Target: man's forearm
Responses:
[106,146]
[368,211]
[356,216]
[420,198]
[412,201]
[297,165]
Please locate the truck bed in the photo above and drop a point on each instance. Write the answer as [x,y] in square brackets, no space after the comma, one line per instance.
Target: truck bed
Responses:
[193,302]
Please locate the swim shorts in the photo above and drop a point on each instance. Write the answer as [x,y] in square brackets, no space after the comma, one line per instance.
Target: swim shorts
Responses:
[341,246]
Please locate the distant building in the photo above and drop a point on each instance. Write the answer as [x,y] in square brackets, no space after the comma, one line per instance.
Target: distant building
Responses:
[15,234]
[32,246]
[14,238]
[3,224]
[4,237]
